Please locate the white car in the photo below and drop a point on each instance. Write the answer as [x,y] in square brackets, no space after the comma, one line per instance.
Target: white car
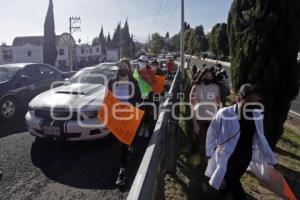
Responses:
[69,112]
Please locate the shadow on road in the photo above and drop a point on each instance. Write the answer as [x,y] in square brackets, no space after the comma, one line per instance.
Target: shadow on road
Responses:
[14,125]
[87,165]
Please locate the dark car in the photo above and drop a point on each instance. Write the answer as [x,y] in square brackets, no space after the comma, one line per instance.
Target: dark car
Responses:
[19,83]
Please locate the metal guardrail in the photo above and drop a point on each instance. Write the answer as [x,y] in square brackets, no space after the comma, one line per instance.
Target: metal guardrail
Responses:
[160,155]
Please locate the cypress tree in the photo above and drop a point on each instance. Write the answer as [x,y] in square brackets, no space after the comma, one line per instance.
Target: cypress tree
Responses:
[102,40]
[49,46]
[125,41]
[116,37]
[263,37]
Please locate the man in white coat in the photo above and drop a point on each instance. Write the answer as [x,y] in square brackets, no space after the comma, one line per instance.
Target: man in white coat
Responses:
[235,140]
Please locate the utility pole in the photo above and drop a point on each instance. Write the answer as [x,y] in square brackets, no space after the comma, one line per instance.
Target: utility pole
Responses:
[182,40]
[73,29]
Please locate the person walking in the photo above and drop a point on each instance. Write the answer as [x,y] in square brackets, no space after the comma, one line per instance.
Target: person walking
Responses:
[205,99]
[235,138]
[170,68]
[126,89]
[148,75]
[224,90]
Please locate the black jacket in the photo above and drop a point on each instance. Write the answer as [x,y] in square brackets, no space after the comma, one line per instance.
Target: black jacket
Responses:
[137,97]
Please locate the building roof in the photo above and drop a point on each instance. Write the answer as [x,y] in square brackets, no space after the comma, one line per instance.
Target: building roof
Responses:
[38,40]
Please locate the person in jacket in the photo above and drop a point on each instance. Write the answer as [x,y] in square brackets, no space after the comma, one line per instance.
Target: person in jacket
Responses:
[224,90]
[205,99]
[235,139]
[170,68]
[126,89]
[148,75]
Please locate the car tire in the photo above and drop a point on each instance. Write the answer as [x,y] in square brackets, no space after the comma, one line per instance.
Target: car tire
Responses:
[8,108]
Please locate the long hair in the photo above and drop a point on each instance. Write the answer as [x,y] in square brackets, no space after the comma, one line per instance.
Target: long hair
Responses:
[199,79]
[127,62]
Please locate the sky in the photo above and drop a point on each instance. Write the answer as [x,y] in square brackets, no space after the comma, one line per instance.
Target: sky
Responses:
[26,17]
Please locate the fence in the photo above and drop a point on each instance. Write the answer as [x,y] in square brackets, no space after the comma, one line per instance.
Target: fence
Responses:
[160,155]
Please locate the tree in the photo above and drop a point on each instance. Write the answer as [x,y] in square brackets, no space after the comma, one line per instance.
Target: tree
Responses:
[167,36]
[191,42]
[156,44]
[108,41]
[222,40]
[201,39]
[95,41]
[115,43]
[125,41]
[49,46]
[218,40]
[262,36]
[175,42]
[187,37]
[102,40]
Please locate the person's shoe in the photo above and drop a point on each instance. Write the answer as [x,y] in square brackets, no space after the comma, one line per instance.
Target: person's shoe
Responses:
[121,178]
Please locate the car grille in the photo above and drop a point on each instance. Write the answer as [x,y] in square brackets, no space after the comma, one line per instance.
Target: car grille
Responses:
[60,115]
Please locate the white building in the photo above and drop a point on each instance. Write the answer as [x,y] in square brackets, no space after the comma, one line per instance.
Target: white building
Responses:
[30,49]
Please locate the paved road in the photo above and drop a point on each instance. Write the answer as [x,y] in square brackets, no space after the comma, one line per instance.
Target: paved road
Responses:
[57,170]
[295,104]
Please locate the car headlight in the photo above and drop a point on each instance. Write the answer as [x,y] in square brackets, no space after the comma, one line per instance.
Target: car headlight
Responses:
[90,114]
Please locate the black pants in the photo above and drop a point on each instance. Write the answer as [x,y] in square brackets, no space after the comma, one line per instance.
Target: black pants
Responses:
[235,170]
[124,155]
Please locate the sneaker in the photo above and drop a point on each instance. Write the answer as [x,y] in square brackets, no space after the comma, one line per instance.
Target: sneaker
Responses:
[121,178]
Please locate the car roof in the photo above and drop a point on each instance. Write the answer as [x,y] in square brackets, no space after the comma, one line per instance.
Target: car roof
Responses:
[20,65]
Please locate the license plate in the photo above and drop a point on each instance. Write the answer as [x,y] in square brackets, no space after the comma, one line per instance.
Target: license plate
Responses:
[48,130]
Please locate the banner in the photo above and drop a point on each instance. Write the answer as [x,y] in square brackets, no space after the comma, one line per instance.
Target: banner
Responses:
[158,87]
[121,119]
[144,87]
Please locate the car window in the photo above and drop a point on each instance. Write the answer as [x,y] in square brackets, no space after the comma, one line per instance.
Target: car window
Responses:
[31,72]
[7,73]
[94,76]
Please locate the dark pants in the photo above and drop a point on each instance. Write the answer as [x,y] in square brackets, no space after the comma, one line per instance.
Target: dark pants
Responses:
[124,155]
[200,140]
[234,186]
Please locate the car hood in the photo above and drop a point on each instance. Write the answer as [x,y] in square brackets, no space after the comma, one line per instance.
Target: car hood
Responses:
[75,96]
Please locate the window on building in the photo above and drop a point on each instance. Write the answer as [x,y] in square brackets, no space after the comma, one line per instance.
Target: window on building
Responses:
[82,51]
[91,50]
[97,50]
[7,55]
[61,52]
[29,53]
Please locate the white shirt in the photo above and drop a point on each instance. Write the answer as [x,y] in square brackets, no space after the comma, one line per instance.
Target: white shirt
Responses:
[224,126]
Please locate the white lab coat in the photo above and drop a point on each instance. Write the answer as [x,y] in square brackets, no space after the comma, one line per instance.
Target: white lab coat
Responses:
[224,126]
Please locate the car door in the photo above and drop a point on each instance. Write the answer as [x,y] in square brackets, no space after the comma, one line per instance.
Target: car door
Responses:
[27,87]
[47,76]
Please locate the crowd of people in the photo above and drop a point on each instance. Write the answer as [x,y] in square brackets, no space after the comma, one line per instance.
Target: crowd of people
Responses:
[123,85]
[228,138]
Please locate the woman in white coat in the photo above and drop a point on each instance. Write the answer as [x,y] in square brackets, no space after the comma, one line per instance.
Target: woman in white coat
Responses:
[235,139]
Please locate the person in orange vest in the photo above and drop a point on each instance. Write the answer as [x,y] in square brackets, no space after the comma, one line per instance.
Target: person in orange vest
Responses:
[170,68]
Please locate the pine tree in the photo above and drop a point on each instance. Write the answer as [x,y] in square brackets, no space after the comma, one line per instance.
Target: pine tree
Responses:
[125,41]
[102,40]
[49,46]
[108,41]
[263,39]
[116,37]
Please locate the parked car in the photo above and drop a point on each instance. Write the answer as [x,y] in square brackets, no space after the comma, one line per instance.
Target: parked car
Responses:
[69,112]
[19,83]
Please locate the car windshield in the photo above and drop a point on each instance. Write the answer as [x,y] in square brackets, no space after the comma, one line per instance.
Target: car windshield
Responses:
[7,72]
[93,76]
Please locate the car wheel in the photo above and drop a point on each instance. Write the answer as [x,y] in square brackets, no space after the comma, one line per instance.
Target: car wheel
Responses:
[8,108]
